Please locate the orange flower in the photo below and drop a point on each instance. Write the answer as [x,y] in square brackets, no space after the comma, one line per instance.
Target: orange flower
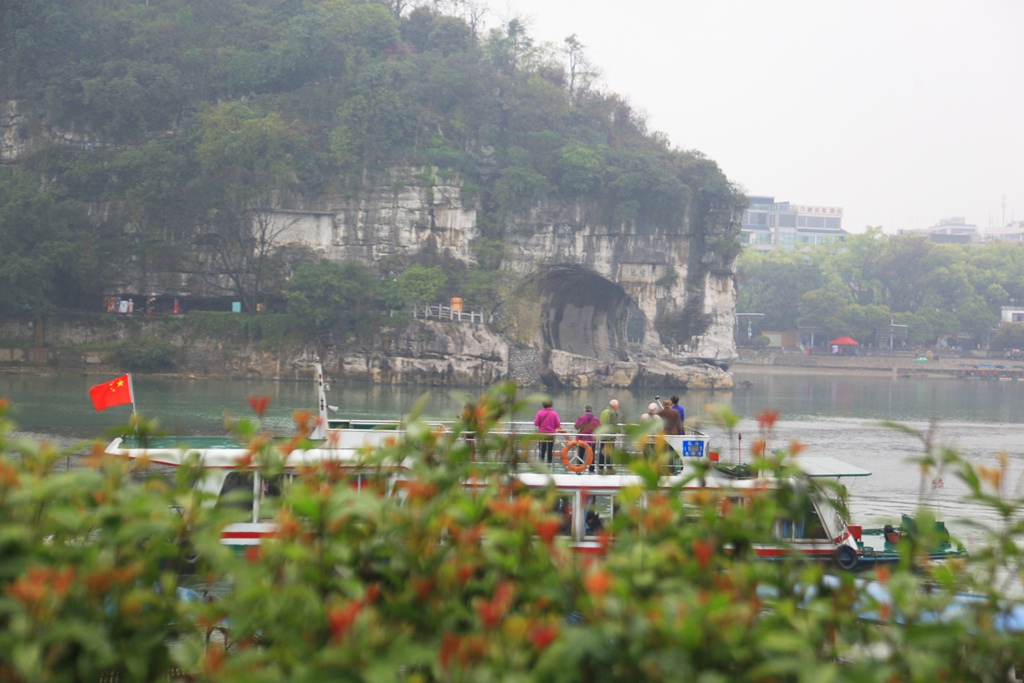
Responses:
[213,659]
[303,419]
[491,611]
[287,525]
[98,581]
[702,551]
[490,614]
[449,647]
[499,506]
[285,448]
[473,649]
[422,588]
[543,635]
[658,514]
[520,507]
[342,618]
[40,582]
[598,582]
[62,581]
[252,553]
[419,490]
[471,536]
[766,419]
[547,527]
[259,404]
[27,591]
[96,456]
[8,475]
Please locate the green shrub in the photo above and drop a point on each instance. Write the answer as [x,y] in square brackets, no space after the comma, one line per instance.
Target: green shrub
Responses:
[147,355]
[270,329]
[669,279]
[216,324]
[761,341]
[450,583]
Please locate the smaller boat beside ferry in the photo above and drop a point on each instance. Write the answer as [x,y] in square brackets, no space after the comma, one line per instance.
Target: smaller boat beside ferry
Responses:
[587,500]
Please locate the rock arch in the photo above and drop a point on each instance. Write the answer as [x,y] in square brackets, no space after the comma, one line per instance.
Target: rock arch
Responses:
[584,313]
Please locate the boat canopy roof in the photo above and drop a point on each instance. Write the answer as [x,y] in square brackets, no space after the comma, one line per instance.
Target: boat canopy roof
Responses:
[825,466]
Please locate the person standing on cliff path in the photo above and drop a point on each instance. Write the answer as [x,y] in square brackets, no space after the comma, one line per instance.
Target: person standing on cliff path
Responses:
[547,423]
[610,420]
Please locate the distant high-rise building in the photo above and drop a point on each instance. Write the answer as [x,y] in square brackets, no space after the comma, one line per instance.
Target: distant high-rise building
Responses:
[769,225]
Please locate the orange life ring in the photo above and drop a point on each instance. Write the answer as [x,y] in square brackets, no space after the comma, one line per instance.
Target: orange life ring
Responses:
[568,459]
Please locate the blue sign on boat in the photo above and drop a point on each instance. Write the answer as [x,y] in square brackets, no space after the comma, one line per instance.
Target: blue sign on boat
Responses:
[693,448]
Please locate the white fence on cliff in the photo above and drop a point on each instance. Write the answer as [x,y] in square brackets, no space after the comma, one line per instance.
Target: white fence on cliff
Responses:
[446,313]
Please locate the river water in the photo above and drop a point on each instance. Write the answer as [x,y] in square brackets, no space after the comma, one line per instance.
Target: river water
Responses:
[835,415]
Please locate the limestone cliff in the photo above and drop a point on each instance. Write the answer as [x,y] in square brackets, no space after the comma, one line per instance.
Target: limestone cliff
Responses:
[586,301]
[594,302]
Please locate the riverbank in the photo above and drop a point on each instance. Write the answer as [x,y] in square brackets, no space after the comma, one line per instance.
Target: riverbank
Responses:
[901,366]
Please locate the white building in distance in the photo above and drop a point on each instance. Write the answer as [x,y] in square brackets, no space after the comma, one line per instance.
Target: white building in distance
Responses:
[954,230]
[1013,232]
[769,225]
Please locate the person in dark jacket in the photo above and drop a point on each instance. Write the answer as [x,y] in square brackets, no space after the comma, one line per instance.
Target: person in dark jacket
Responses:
[670,420]
[586,425]
[682,414]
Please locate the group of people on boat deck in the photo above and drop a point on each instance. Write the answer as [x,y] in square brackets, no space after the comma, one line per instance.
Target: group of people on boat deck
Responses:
[669,412]
[670,415]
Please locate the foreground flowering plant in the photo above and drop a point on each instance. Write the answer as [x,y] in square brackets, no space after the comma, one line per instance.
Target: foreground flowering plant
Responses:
[428,579]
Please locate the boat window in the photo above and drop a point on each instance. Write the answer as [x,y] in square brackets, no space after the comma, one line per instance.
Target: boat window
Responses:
[807,528]
[814,528]
[735,501]
[237,491]
[563,508]
[270,494]
[600,509]
[362,481]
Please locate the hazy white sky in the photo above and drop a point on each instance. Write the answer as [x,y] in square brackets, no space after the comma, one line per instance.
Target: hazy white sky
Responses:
[902,112]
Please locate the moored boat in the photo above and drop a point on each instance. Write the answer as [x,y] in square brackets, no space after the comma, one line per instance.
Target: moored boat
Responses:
[587,500]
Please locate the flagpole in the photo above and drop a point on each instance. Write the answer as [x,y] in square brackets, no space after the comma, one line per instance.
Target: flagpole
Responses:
[131,392]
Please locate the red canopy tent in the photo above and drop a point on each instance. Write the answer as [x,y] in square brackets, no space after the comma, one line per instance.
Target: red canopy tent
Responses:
[844,341]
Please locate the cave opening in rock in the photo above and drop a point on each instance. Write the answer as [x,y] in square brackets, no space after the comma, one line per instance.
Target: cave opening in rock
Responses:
[586,314]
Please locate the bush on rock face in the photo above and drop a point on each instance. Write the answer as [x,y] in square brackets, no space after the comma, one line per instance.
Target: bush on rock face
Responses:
[426,579]
[148,355]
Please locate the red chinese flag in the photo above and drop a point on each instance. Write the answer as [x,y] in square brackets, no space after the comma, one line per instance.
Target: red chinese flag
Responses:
[113,393]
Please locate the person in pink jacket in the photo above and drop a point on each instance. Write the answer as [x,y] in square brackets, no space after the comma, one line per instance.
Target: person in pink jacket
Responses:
[547,423]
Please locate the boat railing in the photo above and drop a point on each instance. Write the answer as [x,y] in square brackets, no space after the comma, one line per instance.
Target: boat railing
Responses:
[520,441]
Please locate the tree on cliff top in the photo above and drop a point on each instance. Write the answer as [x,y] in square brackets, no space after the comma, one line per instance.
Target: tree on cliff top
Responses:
[41,246]
[245,164]
[324,296]
[306,102]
